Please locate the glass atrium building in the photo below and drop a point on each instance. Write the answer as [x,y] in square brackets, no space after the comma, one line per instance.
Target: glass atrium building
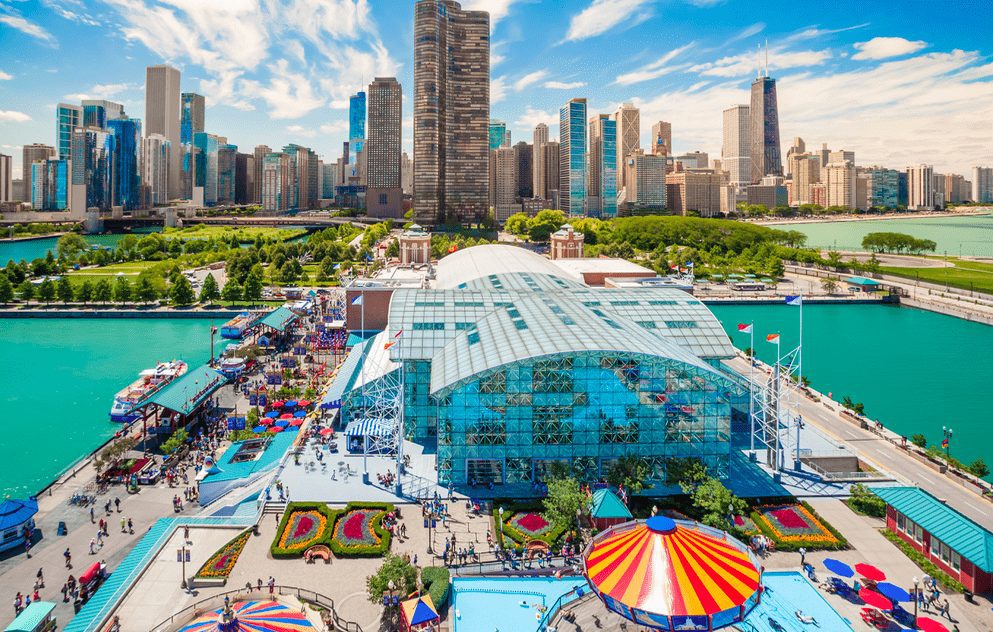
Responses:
[508,364]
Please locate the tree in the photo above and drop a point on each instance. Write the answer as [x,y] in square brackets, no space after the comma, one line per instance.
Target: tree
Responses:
[544,224]
[26,290]
[564,499]
[70,246]
[144,291]
[517,224]
[84,293]
[122,290]
[253,285]
[919,440]
[46,291]
[103,291]
[209,292]
[979,468]
[232,291]
[834,259]
[181,292]
[6,289]
[174,442]
[687,472]
[64,289]
[829,285]
[630,472]
[716,503]
[395,569]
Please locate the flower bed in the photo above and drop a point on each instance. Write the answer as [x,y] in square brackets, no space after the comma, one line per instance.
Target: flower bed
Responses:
[522,525]
[220,564]
[792,526]
[358,531]
[303,525]
[745,524]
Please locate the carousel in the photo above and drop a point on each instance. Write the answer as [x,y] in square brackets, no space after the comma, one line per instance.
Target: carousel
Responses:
[250,616]
[673,574]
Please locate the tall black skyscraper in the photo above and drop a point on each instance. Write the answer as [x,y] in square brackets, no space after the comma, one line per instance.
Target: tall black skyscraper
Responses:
[766,154]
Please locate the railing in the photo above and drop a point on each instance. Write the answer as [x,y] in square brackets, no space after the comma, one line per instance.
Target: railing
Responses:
[216,601]
[847,476]
[517,567]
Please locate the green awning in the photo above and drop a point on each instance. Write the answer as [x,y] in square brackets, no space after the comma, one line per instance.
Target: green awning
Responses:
[31,617]
[280,319]
[605,504]
[188,392]
[861,281]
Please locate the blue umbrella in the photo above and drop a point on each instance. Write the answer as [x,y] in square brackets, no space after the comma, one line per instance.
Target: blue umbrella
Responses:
[300,413]
[893,592]
[291,404]
[259,429]
[272,414]
[838,567]
[290,429]
[282,423]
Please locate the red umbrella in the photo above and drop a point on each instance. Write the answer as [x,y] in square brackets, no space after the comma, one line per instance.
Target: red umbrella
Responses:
[870,572]
[930,625]
[290,416]
[874,599]
[303,403]
[327,431]
[278,404]
[265,421]
[275,429]
[296,421]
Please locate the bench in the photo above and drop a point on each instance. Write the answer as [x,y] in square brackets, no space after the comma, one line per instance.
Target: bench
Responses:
[317,551]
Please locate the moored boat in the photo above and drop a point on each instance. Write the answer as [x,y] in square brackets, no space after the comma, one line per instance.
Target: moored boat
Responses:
[235,328]
[149,381]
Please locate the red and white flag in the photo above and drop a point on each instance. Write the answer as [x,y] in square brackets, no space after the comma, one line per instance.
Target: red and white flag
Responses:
[744,328]
[773,338]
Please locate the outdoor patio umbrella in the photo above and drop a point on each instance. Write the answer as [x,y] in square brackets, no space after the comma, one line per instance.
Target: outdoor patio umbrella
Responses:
[893,592]
[272,414]
[282,423]
[290,429]
[286,416]
[303,403]
[930,625]
[259,428]
[874,599]
[327,431]
[275,429]
[870,572]
[278,403]
[290,404]
[296,423]
[251,616]
[838,567]
[300,413]
[266,421]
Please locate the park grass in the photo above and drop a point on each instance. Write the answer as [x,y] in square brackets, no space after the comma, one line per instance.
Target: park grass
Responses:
[966,275]
[245,234]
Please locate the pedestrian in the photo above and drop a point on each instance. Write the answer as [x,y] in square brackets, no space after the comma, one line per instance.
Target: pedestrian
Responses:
[803,557]
[260,584]
[947,610]
[68,557]
[92,518]
[93,544]
[27,546]
[117,504]
[124,525]
[130,527]
[272,584]
[186,533]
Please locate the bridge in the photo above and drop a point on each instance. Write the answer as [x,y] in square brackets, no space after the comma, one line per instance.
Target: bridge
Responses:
[116,224]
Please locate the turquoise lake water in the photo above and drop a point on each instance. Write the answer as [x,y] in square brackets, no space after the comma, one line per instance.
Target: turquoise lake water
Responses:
[965,235]
[58,380]
[914,370]
[30,249]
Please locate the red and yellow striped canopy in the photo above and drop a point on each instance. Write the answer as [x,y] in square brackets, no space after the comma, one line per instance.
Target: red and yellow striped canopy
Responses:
[663,568]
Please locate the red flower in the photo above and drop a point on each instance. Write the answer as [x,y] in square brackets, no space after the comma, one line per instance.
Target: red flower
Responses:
[789,518]
[353,526]
[532,522]
[305,524]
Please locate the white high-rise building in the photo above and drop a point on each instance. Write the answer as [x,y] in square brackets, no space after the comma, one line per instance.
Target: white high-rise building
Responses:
[6,178]
[155,157]
[920,188]
[735,152]
[162,116]
[538,172]
[628,119]
[840,180]
[982,184]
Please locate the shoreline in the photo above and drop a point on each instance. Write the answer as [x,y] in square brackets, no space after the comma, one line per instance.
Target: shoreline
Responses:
[32,237]
[866,218]
[75,312]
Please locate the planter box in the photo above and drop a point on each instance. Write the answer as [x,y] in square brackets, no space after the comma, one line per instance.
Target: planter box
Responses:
[208,582]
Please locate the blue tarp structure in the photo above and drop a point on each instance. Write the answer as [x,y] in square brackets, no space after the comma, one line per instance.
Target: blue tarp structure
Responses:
[14,512]
[365,428]
[31,617]
[419,611]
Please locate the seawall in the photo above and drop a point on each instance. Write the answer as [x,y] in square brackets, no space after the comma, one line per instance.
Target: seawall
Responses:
[120,313]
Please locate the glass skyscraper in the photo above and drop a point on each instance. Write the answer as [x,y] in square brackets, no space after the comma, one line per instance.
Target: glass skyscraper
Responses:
[126,178]
[205,166]
[498,135]
[356,125]
[68,118]
[92,155]
[602,193]
[50,185]
[572,157]
[766,152]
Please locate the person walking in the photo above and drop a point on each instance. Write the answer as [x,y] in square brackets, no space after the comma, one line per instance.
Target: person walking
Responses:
[92,516]
[40,578]
[117,504]
[946,610]
[272,584]
[68,556]
[130,526]
[803,557]
[260,584]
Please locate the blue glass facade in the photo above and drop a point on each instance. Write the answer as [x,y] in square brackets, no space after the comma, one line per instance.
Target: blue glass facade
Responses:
[92,155]
[572,157]
[50,185]
[498,134]
[608,167]
[884,188]
[95,116]
[68,118]
[126,182]
[356,123]
[205,165]
[226,170]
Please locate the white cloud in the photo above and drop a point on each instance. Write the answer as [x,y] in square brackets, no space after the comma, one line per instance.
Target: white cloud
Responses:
[335,127]
[27,27]
[656,69]
[530,79]
[498,89]
[59,7]
[564,85]
[289,94]
[748,64]
[885,47]
[604,15]
[531,117]
[13,116]
[300,130]
[748,31]
[498,9]
[5,76]
[495,59]
[813,32]
[108,91]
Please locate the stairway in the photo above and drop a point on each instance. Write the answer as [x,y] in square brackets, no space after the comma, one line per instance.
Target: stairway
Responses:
[274,507]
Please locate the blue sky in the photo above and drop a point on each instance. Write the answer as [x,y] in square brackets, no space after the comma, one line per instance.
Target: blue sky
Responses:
[896,82]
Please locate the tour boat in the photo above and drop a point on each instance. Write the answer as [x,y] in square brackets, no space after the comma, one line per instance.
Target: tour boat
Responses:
[149,381]
[235,328]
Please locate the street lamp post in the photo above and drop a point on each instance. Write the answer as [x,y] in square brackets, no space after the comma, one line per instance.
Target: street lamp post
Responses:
[500,516]
[916,584]
[947,432]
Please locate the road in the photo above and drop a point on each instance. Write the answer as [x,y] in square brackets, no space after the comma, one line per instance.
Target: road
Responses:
[881,452]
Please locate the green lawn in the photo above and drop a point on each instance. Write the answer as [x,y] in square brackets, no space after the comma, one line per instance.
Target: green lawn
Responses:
[245,234]
[966,275]
[130,269]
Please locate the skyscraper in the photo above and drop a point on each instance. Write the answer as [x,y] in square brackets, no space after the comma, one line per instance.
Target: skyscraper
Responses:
[498,134]
[628,120]
[765,153]
[155,168]
[356,125]
[125,176]
[192,118]
[96,112]
[503,183]
[68,117]
[524,166]
[982,184]
[302,174]
[205,148]
[735,158]
[92,169]
[227,170]
[920,188]
[29,154]
[839,178]
[275,182]
[162,115]
[6,178]
[50,185]
[244,178]
[538,171]
[662,138]
[550,156]
[384,196]
[645,186]
[260,154]
[451,112]
[572,157]
[601,193]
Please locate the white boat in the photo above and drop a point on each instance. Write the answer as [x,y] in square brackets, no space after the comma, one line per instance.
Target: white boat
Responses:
[149,381]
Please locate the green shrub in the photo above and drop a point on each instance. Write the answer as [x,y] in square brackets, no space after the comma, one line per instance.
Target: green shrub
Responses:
[794,543]
[436,582]
[923,563]
[297,551]
[341,549]
[517,537]
[862,501]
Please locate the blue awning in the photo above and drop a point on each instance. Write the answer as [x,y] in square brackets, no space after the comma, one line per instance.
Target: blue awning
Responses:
[14,512]
[365,428]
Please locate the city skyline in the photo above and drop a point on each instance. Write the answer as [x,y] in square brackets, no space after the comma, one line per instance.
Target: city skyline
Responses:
[921,91]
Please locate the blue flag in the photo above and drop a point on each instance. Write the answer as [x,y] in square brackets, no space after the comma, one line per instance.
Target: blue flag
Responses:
[794,300]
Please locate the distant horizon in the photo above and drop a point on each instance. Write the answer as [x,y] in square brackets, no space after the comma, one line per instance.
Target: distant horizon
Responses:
[893,87]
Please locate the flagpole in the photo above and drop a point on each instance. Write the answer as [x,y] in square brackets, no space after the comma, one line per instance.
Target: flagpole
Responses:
[799,361]
[751,381]
[776,418]
[401,430]
[365,403]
